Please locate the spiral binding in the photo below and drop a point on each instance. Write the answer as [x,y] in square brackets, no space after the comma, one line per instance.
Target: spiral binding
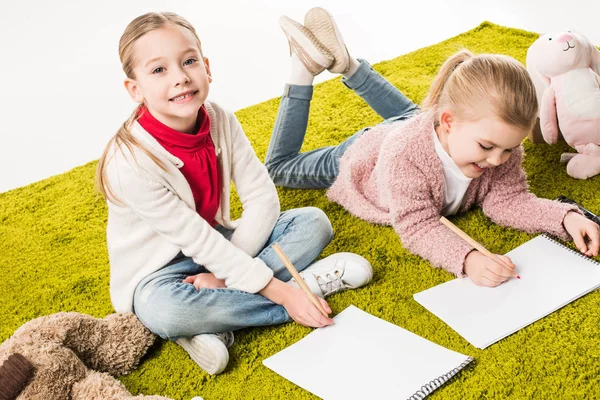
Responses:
[561,244]
[427,389]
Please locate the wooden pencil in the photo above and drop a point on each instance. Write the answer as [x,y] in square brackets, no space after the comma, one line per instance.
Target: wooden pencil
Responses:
[290,267]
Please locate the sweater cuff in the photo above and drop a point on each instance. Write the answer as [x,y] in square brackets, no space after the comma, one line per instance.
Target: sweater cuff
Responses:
[255,279]
[458,260]
[561,232]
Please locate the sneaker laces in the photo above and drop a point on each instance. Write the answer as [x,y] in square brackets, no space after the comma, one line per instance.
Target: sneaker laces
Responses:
[331,282]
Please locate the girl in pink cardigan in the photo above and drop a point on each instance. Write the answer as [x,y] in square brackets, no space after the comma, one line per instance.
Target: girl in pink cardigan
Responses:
[463,150]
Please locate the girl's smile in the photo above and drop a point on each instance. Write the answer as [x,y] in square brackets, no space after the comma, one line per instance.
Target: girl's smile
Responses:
[184,97]
[478,168]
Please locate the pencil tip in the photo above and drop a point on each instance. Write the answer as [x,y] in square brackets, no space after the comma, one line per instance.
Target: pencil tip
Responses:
[518,277]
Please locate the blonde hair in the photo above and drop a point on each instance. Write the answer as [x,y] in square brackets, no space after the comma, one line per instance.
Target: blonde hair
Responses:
[135,30]
[473,85]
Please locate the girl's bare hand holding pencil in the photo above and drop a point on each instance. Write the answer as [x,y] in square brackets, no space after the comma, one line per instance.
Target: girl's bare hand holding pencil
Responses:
[484,271]
[297,304]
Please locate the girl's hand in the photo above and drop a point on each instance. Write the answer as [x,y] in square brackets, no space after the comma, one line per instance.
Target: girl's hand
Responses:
[303,311]
[205,280]
[486,272]
[580,228]
[297,304]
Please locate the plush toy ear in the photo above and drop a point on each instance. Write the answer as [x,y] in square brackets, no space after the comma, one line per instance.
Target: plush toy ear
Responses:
[540,82]
[533,59]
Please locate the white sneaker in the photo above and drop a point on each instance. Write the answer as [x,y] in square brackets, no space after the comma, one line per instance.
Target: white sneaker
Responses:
[336,273]
[209,350]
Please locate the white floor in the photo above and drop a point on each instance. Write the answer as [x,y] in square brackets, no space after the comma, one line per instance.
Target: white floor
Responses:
[62,95]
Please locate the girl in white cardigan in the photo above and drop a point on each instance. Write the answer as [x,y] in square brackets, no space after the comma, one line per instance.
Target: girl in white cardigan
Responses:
[177,260]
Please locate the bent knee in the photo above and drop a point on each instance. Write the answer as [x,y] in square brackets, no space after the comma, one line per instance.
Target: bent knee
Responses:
[320,224]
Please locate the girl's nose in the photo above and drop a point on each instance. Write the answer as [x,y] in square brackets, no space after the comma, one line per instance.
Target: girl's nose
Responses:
[183,78]
[565,37]
[495,161]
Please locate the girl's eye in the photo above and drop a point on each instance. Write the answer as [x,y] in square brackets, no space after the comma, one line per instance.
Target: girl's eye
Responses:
[189,61]
[158,70]
[483,147]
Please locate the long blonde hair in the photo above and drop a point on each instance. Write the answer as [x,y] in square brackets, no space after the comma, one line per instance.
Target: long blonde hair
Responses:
[473,85]
[135,30]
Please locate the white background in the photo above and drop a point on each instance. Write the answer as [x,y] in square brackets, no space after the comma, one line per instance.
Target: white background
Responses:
[62,94]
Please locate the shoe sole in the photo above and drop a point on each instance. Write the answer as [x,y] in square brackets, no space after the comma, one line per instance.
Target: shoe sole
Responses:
[300,39]
[208,351]
[324,28]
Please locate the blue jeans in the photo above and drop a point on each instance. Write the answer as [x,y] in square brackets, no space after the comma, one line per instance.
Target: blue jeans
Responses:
[318,169]
[172,309]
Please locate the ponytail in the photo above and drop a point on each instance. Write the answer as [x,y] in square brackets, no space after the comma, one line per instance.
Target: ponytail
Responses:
[435,91]
[484,85]
[122,137]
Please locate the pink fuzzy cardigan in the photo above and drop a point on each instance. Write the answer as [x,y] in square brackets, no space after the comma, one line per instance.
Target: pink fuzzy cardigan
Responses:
[391,175]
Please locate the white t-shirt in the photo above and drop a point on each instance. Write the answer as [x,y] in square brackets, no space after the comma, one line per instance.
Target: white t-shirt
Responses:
[456,182]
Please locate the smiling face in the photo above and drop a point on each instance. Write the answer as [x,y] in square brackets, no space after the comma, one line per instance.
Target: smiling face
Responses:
[170,76]
[475,145]
[483,107]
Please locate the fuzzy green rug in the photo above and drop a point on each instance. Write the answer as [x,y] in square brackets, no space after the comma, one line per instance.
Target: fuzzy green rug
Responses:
[53,258]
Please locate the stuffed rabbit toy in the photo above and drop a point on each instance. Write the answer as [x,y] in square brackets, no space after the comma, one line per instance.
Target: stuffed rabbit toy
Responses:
[565,68]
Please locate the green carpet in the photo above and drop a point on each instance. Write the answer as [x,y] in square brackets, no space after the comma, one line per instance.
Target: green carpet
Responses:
[53,258]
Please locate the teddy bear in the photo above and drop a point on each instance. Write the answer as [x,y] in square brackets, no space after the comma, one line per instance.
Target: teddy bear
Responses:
[565,68]
[69,355]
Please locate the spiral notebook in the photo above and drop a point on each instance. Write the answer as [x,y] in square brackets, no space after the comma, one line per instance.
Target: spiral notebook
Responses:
[552,276]
[363,357]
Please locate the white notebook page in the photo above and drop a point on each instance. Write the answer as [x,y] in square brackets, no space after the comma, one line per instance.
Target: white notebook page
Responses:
[363,357]
[551,277]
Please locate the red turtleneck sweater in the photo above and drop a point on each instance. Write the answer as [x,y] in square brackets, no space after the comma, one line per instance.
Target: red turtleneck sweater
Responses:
[197,151]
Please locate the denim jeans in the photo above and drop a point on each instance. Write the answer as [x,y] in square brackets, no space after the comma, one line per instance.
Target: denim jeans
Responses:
[172,309]
[318,169]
